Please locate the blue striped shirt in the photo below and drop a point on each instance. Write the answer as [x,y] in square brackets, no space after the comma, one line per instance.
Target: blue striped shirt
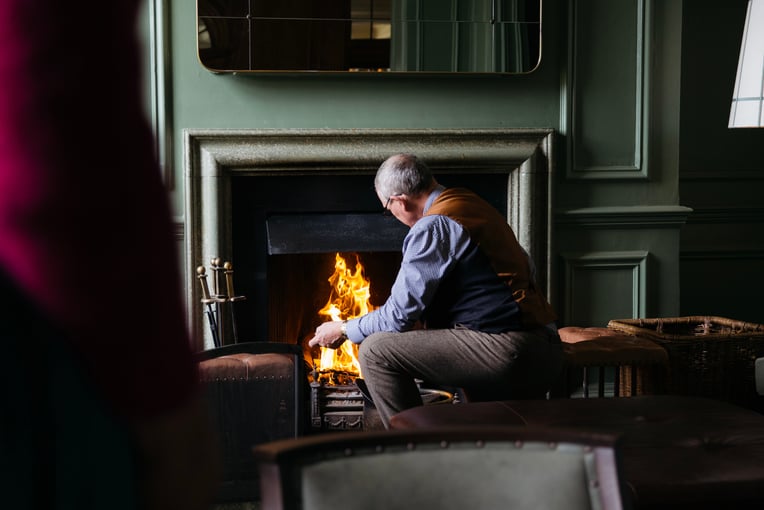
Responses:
[430,251]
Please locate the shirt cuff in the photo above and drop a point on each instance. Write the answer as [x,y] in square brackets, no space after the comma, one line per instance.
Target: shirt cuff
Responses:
[353,331]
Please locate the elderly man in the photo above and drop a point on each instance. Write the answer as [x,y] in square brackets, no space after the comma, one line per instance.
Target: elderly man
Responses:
[467,281]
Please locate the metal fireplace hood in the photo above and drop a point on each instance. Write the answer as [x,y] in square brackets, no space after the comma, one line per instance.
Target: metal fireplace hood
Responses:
[324,233]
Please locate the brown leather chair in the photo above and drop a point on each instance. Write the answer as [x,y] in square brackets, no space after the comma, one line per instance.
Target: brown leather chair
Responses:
[253,398]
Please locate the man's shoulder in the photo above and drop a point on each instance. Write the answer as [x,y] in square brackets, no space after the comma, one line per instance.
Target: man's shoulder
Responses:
[437,227]
[431,221]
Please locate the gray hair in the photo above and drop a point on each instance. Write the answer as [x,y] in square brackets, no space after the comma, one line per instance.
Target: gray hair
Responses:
[402,174]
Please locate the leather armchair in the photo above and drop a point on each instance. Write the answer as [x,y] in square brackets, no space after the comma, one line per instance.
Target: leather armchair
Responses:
[256,393]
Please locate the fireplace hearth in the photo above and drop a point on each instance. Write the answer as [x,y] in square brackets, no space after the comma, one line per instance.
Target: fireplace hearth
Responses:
[277,203]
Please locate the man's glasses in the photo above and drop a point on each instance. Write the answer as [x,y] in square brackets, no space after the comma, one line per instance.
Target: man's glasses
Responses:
[385,210]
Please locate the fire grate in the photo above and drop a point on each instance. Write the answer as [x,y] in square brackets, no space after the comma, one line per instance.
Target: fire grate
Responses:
[336,407]
[344,407]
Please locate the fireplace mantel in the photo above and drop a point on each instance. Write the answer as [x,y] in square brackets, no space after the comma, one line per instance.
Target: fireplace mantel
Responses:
[214,157]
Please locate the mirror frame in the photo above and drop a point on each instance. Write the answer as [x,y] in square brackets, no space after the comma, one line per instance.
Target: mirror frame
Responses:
[488,57]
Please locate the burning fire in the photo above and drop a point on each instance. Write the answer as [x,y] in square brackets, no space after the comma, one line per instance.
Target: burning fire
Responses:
[349,298]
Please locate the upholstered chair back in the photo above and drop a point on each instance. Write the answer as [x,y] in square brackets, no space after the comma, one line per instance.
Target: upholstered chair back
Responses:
[459,469]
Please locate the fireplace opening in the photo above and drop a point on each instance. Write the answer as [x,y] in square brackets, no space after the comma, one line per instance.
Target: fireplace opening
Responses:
[286,230]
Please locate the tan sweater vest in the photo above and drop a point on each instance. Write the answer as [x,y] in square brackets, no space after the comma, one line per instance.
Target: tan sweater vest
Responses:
[490,230]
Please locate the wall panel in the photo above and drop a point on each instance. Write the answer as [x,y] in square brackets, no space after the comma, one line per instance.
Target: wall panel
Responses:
[616,263]
[607,88]
[616,279]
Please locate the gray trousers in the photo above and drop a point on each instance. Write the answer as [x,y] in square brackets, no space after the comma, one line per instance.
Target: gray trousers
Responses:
[488,366]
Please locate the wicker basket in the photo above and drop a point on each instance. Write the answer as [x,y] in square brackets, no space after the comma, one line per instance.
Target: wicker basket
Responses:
[712,357]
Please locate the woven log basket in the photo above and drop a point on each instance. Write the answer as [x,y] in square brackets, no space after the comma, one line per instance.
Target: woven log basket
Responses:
[709,356]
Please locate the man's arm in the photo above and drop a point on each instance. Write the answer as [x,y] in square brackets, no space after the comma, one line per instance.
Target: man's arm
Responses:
[430,251]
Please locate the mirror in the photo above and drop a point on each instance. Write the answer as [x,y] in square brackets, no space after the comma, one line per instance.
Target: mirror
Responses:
[370,36]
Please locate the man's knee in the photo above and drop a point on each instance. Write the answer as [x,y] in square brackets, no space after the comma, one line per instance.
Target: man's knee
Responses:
[374,347]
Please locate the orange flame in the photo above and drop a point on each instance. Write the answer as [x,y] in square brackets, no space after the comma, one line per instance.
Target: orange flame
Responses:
[349,298]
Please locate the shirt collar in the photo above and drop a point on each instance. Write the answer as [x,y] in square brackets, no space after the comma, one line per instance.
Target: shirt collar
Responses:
[433,195]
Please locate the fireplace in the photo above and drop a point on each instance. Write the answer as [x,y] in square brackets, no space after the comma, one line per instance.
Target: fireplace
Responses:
[280,203]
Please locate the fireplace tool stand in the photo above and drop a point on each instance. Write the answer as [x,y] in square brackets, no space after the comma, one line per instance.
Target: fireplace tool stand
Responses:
[220,304]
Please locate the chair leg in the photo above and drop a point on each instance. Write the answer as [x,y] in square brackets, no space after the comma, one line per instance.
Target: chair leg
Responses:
[600,382]
[586,382]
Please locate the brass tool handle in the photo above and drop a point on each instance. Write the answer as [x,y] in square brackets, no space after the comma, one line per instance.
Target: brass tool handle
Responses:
[232,297]
[202,275]
[216,268]
[228,271]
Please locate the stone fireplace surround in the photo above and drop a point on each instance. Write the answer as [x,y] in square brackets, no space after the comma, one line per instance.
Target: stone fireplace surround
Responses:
[214,159]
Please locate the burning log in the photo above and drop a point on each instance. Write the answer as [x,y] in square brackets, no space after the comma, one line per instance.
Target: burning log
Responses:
[334,377]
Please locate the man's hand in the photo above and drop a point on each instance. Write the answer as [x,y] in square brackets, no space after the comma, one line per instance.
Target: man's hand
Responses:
[329,334]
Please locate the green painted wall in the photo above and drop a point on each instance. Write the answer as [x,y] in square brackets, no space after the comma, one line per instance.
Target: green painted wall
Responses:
[205,100]
[623,84]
